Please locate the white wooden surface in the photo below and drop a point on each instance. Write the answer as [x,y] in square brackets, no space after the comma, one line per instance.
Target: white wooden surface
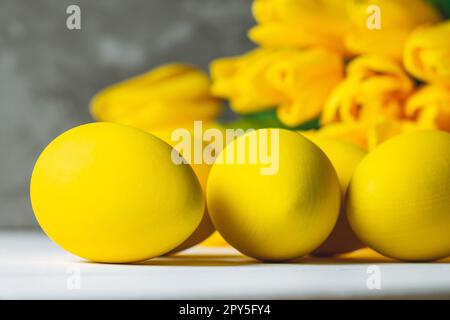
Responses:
[32,267]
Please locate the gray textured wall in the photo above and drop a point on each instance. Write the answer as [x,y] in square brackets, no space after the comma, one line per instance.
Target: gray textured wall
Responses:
[48,74]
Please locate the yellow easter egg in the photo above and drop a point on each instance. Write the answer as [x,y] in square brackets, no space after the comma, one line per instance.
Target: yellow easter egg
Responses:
[279,206]
[345,157]
[399,200]
[205,228]
[111,193]
[215,240]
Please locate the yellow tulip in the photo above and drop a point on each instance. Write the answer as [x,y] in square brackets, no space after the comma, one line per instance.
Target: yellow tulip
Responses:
[366,135]
[244,80]
[397,19]
[354,132]
[300,23]
[387,129]
[170,96]
[430,107]
[367,108]
[296,82]
[427,53]
[375,88]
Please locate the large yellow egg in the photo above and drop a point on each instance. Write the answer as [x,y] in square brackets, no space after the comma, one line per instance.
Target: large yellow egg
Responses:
[205,228]
[111,193]
[277,216]
[345,157]
[399,197]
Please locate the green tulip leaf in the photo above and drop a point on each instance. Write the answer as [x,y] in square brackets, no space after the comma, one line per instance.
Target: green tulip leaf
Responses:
[443,6]
[267,119]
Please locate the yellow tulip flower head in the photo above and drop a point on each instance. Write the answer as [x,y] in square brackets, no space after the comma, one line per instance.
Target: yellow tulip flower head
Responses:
[396,19]
[366,135]
[353,132]
[297,82]
[430,107]
[427,53]
[370,101]
[375,86]
[300,23]
[170,96]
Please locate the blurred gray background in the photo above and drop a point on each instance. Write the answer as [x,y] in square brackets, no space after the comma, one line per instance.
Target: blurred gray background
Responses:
[48,73]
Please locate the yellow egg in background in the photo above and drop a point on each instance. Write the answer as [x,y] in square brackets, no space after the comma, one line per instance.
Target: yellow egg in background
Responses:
[345,157]
[215,240]
[398,201]
[278,216]
[111,193]
[205,228]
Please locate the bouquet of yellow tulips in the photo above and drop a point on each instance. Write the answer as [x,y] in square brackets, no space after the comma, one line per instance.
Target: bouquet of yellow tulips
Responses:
[362,71]
[367,69]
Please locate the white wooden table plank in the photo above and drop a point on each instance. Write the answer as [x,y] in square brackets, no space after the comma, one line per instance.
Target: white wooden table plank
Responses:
[33,267]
